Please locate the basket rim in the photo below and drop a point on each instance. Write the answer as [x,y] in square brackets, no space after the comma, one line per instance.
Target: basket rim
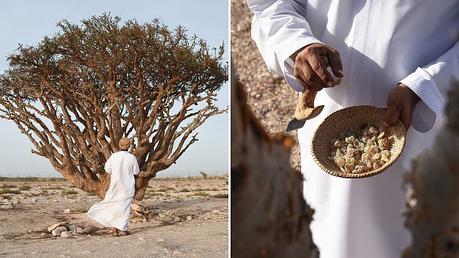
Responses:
[359,175]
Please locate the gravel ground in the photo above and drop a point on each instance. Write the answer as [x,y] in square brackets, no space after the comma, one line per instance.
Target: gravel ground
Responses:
[188,218]
[270,97]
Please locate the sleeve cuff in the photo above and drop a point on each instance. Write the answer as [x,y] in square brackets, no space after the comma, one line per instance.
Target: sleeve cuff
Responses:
[426,111]
[284,57]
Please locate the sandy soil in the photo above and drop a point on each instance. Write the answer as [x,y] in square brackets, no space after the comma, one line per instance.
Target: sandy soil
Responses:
[188,219]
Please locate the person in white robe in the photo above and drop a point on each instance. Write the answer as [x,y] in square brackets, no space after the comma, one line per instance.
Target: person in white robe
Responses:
[115,209]
[400,54]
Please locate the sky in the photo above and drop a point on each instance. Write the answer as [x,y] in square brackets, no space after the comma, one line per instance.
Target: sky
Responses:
[27,22]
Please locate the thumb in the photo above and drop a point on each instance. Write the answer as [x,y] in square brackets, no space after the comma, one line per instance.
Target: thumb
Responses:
[392,116]
[335,64]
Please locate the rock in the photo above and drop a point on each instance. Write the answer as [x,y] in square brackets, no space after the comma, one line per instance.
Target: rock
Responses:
[176,252]
[87,230]
[136,220]
[66,234]
[176,219]
[35,192]
[50,228]
[57,231]
[139,208]
[160,240]
[162,215]
[264,110]
[6,206]
[189,218]
[141,238]
[215,211]
[67,210]
[33,200]
[79,230]
[72,228]
[135,207]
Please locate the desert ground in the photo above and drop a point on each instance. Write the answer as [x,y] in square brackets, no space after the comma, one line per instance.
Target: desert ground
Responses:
[187,217]
[271,99]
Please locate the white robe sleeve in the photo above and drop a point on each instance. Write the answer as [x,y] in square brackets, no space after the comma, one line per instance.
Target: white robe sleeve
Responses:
[108,165]
[135,165]
[432,84]
[279,30]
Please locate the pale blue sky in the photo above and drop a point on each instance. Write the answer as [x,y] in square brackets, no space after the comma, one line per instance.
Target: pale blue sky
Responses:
[27,22]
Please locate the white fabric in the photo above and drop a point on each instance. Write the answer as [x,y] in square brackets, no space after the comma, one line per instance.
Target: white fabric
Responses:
[115,209]
[381,43]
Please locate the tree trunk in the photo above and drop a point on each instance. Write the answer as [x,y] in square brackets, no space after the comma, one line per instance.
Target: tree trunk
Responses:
[100,186]
[269,216]
[97,186]
[433,193]
[141,184]
[104,184]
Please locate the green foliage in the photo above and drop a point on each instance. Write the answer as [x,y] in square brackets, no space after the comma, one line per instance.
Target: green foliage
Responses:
[76,93]
[204,194]
[68,192]
[225,195]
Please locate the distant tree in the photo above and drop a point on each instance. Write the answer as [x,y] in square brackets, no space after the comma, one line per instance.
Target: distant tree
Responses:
[75,94]
[204,174]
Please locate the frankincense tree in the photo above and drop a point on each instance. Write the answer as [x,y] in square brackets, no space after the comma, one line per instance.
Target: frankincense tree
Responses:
[432,214]
[75,94]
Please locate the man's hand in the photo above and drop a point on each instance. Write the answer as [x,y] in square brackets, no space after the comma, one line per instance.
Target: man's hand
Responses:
[400,105]
[311,64]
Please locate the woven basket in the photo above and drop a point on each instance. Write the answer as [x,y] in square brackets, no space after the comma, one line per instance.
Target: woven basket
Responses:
[353,118]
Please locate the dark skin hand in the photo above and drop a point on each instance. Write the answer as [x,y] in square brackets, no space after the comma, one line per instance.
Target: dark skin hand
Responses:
[310,68]
[400,106]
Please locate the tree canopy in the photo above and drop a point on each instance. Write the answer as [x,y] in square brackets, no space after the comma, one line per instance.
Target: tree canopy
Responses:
[75,94]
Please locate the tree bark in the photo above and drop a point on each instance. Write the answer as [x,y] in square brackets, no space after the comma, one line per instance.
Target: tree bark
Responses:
[141,185]
[433,193]
[96,185]
[269,216]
